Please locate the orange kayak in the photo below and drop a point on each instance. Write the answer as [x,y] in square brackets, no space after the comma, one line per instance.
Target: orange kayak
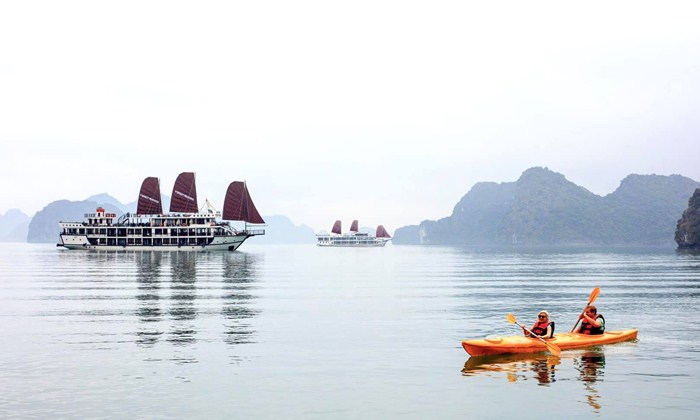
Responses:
[522,344]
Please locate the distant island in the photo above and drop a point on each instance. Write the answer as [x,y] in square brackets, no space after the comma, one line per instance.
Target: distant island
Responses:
[543,208]
[13,226]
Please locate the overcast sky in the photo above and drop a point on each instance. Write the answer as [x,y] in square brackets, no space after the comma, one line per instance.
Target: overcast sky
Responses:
[382,111]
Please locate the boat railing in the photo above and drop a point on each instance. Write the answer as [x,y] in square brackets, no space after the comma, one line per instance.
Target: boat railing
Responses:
[253,232]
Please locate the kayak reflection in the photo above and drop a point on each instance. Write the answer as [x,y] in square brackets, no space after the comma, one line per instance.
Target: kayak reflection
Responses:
[516,366]
[590,365]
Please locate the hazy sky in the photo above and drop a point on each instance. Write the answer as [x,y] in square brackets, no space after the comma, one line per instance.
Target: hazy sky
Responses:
[382,111]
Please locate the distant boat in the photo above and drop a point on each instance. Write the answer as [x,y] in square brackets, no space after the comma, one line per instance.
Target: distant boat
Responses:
[184,228]
[354,238]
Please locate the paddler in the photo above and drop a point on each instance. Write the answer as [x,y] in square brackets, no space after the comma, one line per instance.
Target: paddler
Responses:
[592,322]
[543,328]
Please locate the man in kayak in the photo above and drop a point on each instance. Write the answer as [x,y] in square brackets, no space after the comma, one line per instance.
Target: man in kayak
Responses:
[543,327]
[592,322]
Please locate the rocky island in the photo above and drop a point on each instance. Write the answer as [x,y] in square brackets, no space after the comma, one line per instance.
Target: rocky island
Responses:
[688,227]
[543,208]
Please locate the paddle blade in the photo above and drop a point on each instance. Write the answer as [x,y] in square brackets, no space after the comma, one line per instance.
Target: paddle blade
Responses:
[511,318]
[553,348]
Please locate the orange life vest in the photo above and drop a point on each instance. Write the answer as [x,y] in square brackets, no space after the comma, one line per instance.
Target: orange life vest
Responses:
[540,328]
[587,328]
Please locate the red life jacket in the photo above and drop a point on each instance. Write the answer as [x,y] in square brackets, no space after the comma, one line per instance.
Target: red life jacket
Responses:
[587,328]
[541,327]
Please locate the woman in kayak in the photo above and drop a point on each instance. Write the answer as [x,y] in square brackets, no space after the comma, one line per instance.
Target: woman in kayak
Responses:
[592,322]
[543,327]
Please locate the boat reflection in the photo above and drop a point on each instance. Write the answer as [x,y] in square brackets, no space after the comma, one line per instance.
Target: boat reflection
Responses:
[516,366]
[183,292]
[174,289]
[544,368]
[590,365]
[238,281]
[148,297]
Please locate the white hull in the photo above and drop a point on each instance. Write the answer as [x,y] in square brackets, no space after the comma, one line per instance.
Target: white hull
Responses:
[351,240]
[364,245]
[219,244]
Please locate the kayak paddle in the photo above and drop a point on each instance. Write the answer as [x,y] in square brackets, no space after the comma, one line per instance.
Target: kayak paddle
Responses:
[553,348]
[591,299]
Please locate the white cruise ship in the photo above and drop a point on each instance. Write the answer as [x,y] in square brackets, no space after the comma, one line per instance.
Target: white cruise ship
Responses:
[184,228]
[354,238]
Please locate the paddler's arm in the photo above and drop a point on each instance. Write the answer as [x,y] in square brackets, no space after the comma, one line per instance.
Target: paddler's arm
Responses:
[548,333]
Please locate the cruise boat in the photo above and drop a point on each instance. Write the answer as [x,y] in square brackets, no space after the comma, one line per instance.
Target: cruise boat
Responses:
[184,228]
[354,238]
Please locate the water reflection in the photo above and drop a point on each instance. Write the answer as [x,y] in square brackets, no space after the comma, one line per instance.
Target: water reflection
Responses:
[544,367]
[148,296]
[174,289]
[516,366]
[183,292]
[238,281]
[590,365]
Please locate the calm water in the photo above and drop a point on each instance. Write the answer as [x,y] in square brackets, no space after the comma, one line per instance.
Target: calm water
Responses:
[304,332]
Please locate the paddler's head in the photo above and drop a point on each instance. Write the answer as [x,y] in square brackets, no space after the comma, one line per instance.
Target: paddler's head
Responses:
[543,316]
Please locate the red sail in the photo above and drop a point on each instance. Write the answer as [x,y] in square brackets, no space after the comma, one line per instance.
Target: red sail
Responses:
[336,227]
[353,227]
[184,198]
[382,233]
[239,206]
[149,197]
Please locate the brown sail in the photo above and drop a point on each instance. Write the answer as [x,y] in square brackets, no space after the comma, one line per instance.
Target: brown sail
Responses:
[184,198]
[239,206]
[336,227]
[353,226]
[149,197]
[382,233]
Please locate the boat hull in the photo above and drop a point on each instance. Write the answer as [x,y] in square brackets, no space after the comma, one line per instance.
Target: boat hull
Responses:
[522,344]
[354,245]
[230,243]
